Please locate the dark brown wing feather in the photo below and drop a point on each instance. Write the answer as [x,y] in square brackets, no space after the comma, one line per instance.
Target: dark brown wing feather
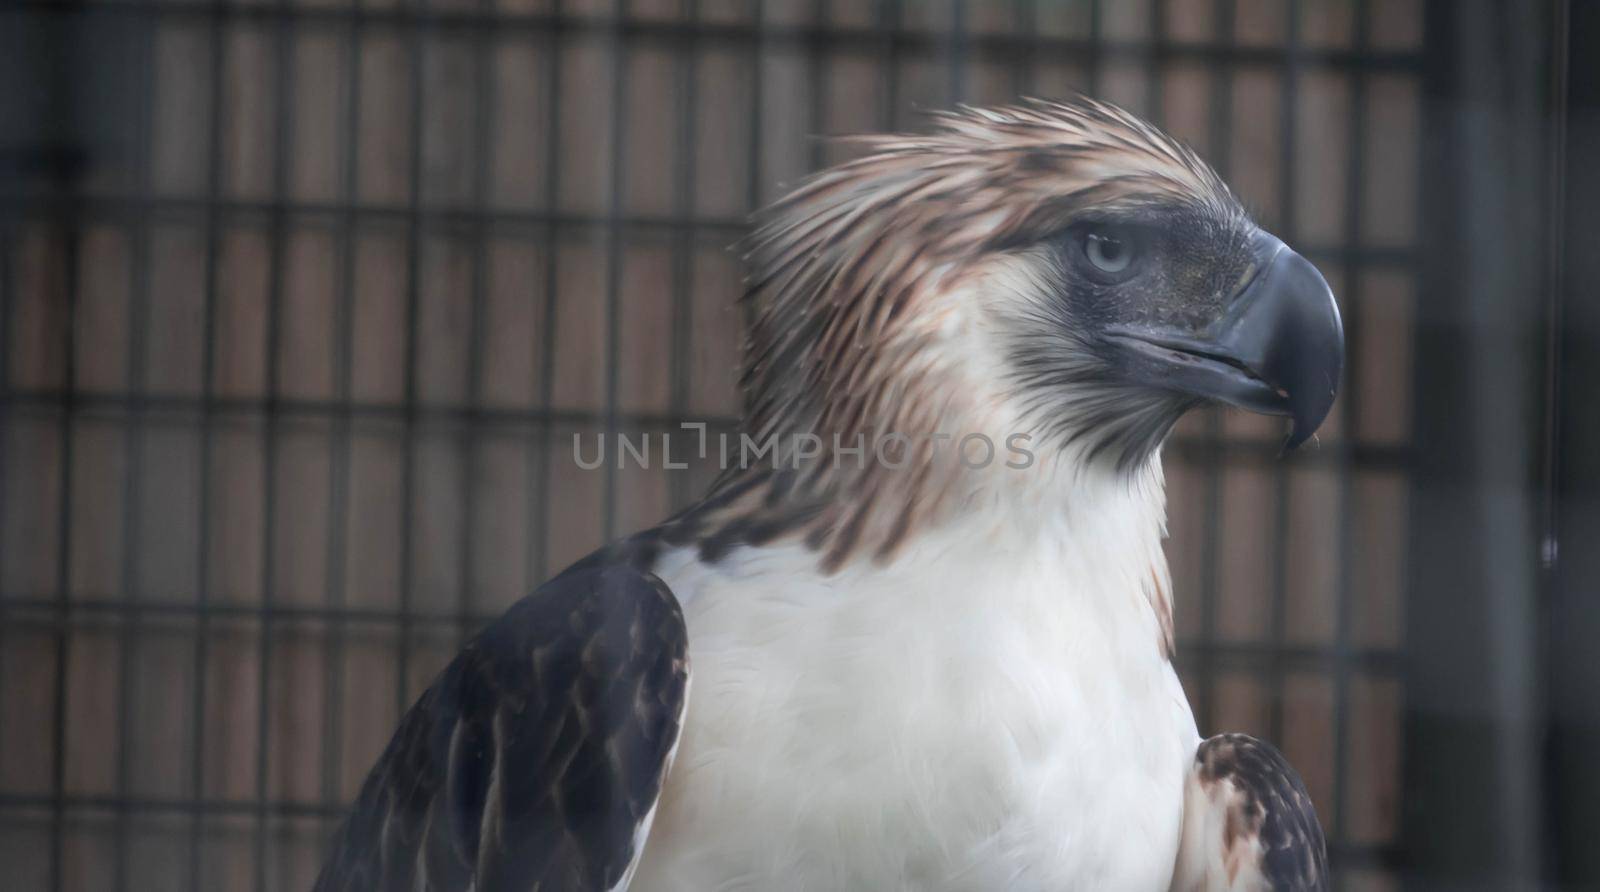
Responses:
[534,757]
[1270,805]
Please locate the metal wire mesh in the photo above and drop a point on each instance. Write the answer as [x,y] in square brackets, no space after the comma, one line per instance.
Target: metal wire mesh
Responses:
[291,369]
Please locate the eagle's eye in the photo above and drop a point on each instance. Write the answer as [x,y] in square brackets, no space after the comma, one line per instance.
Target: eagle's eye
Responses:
[1109,252]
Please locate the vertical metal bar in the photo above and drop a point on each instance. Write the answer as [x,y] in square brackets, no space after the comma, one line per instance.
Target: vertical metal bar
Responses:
[469,435]
[138,320]
[1550,460]
[539,458]
[1570,465]
[613,248]
[7,299]
[960,47]
[277,237]
[758,45]
[1557,663]
[817,80]
[1158,40]
[70,239]
[1025,25]
[210,220]
[1288,222]
[1558,861]
[1210,459]
[889,22]
[684,241]
[339,433]
[1096,37]
[1351,402]
[415,229]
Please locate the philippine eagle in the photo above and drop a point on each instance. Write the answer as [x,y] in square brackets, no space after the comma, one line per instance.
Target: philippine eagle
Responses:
[911,669]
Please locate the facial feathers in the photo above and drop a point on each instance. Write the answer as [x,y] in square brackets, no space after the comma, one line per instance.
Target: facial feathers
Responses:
[841,264]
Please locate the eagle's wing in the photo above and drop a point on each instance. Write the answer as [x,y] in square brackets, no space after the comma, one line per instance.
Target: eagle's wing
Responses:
[1248,823]
[536,758]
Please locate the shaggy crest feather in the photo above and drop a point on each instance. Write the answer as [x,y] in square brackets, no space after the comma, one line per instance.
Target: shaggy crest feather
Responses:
[838,263]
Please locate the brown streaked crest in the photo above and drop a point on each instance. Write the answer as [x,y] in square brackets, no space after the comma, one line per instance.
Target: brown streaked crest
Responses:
[840,263]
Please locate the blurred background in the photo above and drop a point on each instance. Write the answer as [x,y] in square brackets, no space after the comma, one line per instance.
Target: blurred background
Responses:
[303,301]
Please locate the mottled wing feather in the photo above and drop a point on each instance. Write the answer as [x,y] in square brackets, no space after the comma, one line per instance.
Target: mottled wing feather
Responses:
[534,759]
[1248,822]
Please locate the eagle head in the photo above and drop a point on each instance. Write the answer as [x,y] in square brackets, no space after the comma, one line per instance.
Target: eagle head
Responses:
[1063,271]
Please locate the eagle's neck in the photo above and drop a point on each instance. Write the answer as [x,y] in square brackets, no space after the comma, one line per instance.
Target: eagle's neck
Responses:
[1100,525]
[1095,517]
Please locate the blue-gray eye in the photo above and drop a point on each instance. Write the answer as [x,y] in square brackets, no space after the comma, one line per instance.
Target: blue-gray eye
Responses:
[1108,253]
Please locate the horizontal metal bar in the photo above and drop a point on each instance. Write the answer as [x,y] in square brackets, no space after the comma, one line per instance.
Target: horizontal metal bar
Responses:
[870,39]
[1349,853]
[48,612]
[283,808]
[179,208]
[1386,456]
[183,409]
[193,210]
[1269,659]
[31,612]
[50,402]
[1365,856]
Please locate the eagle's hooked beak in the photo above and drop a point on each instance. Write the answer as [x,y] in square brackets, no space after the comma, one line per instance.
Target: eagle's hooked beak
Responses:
[1278,347]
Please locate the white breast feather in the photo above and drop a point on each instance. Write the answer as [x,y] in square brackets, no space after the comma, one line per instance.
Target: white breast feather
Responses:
[992,710]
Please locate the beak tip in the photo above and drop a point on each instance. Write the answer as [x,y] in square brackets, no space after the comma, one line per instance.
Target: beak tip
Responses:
[1308,353]
[1307,419]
